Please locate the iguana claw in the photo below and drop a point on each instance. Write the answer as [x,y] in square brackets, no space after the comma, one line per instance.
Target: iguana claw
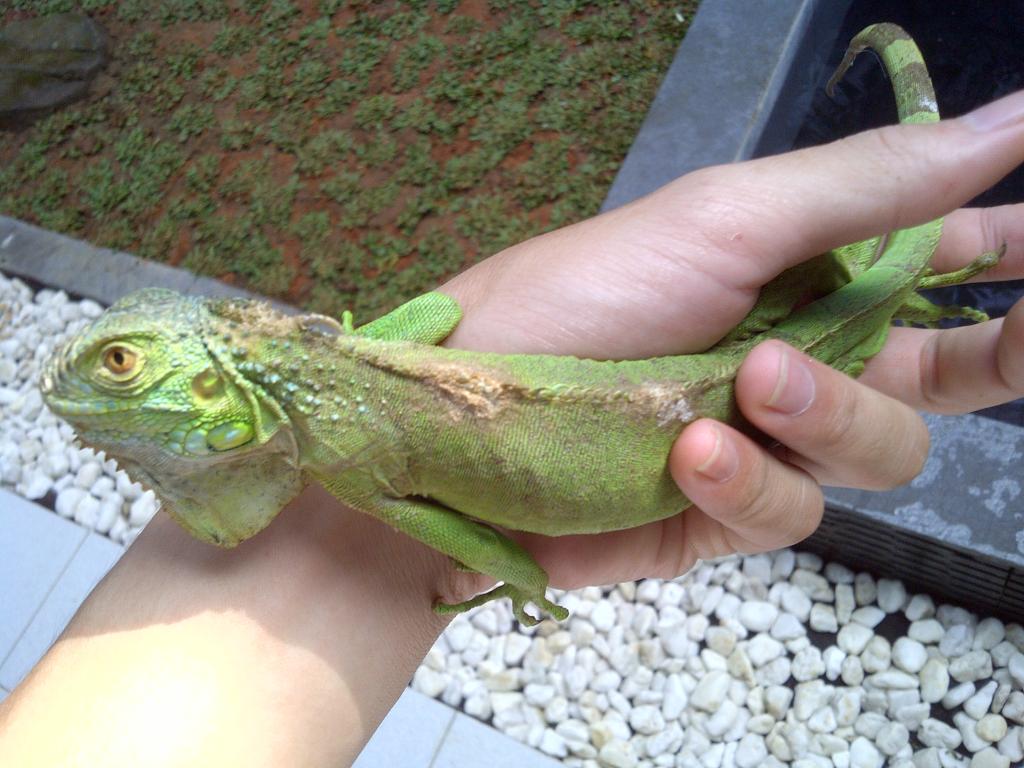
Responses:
[519,600]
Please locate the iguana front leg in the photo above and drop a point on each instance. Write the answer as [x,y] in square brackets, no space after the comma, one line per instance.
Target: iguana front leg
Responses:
[472,545]
[427,319]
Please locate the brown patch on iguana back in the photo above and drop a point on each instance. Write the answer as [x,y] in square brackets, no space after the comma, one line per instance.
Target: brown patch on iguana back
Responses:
[470,391]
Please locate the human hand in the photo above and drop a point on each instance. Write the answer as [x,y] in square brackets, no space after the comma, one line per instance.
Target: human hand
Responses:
[673,272]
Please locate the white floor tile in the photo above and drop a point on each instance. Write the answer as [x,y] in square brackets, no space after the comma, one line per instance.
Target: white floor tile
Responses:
[35,546]
[471,744]
[410,734]
[90,563]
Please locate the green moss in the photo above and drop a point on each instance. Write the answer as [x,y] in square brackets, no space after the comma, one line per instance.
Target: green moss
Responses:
[375,111]
[468,170]
[338,96]
[420,137]
[413,59]
[323,152]
[237,134]
[418,166]
[190,120]
[233,40]
[378,151]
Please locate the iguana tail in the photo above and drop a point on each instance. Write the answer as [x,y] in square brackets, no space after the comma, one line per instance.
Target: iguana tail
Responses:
[915,103]
[851,323]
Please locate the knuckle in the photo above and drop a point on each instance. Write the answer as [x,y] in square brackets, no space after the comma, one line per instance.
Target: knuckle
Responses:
[801,511]
[783,504]
[908,457]
[840,425]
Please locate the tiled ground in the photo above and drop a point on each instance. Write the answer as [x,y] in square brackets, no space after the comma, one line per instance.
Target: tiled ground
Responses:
[47,567]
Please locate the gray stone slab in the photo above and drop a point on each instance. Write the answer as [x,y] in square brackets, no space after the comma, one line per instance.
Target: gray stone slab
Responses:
[471,744]
[90,563]
[409,736]
[97,273]
[35,548]
[711,105]
[957,529]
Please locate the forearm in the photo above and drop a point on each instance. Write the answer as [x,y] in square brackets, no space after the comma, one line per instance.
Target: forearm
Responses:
[287,650]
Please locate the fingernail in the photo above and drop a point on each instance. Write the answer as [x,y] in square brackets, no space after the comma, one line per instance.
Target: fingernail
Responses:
[794,385]
[999,114]
[722,461]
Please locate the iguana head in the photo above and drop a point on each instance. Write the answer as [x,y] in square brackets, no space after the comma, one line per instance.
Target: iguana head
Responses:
[154,383]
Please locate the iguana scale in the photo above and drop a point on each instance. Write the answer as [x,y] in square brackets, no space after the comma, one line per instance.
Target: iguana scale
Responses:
[227,408]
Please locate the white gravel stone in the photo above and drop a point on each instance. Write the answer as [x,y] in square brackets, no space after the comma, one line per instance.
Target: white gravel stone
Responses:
[1016,667]
[722,640]
[978,704]
[823,618]
[838,573]
[143,509]
[1012,744]
[919,607]
[809,697]
[853,638]
[617,754]
[1013,709]
[968,728]
[958,694]
[429,682]
[973,665]
[991,727]
[845,602]
[711,691]
[865,589]
[877,655]
[762,649]
[909,655]
[852,672]
[751,751]
[934,677]
[956,641]
[603,616]
[868,615]
[813,584]
[892,679]
[892,595]
[783,563]
[646,720]
[926,630]
[808,664]
[68,500]
[892,738]
[757,615]
[796,602]
[864,754]
[833,658]
[553,744]
[988,634]
[88,474]
[935,733]
[989,758]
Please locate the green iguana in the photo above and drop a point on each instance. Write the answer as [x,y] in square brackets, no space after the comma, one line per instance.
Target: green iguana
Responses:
[227,408]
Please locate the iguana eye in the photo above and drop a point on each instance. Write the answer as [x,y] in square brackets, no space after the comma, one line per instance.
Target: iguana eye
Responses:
[120,361]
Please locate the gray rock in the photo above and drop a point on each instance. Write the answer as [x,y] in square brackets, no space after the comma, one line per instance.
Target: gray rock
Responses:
[48,61]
